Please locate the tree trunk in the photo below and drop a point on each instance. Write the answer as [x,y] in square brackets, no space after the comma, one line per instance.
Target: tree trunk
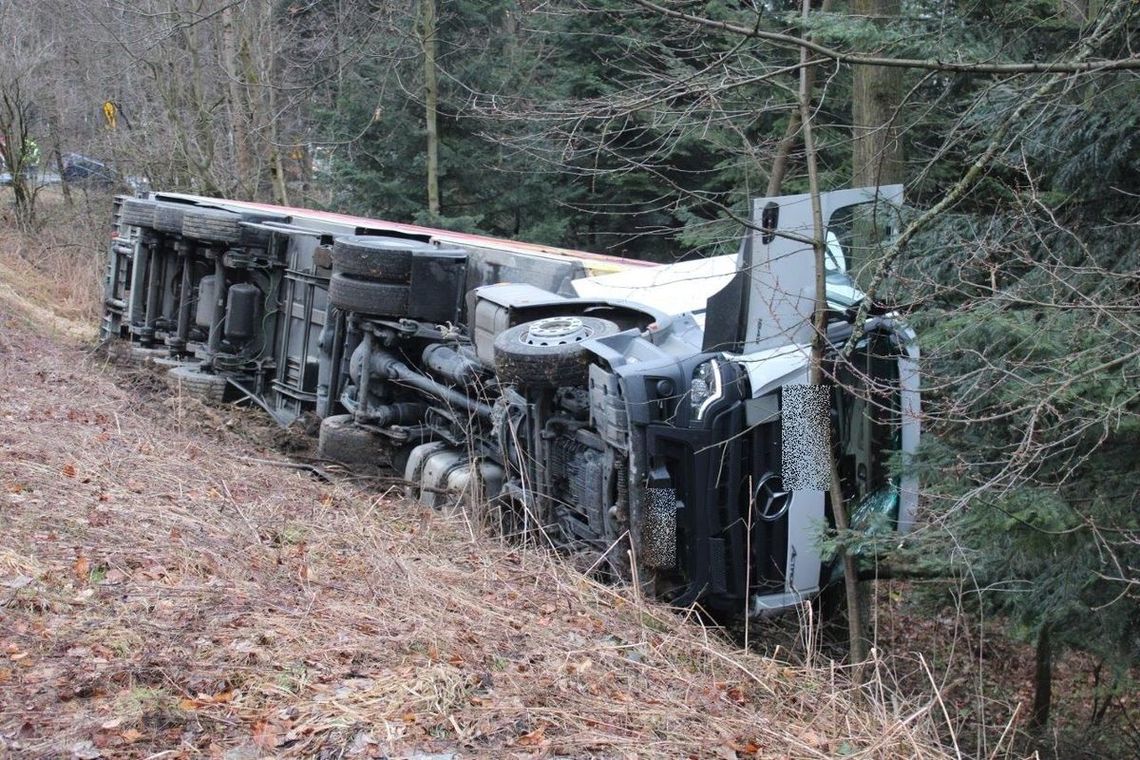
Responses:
[16,150]
[1076,11]
[858,643]
[57,151]
[264,75]
[792,130]
[277,167]
[431,100]
[877,152]
[239,113]
[1042,678]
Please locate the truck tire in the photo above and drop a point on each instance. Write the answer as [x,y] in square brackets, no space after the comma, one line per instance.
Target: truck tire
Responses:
[367,297]
[342,441]
[212,226]
[548,352]
[377,258]
[136,212]
[168,217]
[193,382]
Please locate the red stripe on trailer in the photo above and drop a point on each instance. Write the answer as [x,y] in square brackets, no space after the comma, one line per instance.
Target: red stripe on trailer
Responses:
[447,236]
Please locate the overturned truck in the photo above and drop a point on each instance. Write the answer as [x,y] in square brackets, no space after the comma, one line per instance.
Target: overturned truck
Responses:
[642,414]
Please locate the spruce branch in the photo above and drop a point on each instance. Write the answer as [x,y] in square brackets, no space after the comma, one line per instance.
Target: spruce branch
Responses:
[994,146]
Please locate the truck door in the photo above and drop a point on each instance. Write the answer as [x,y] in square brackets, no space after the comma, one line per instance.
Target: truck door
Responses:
[771,300]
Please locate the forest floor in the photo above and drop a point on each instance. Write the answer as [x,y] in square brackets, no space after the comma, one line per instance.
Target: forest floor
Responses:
[171,586]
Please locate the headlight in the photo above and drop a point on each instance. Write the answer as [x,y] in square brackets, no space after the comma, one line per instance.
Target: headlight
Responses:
[707,386]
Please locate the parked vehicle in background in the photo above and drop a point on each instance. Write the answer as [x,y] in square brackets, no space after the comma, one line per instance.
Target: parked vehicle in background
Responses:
[78,169]
[33,176]
[639,413]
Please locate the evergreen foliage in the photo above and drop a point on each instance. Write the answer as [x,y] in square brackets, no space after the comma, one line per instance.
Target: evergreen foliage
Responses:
[377,127]
[1031,332]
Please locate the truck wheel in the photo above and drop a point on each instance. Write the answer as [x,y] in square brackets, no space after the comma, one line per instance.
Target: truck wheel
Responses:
[368,297]
[193,382]
[137,213]
[548,352]
[212,226]
[378,258]
[342,441]
[168,217]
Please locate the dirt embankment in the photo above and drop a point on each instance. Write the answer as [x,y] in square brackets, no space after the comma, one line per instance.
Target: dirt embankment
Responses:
[165,591]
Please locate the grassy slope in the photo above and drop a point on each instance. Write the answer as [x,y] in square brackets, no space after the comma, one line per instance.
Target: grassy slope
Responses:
[162,588]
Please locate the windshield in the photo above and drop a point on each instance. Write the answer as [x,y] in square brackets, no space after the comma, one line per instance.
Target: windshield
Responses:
[834,260]
[856,237]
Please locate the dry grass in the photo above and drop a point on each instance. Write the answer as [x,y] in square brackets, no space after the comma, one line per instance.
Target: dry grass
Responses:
[53,275]
[165,592]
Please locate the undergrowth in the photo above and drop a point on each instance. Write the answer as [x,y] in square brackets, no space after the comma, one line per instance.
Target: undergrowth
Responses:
[53,272]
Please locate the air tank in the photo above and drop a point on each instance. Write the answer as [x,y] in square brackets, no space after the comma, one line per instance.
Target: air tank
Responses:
[242,308]
[204,314]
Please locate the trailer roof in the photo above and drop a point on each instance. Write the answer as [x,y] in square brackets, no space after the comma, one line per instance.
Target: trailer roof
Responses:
[595,263]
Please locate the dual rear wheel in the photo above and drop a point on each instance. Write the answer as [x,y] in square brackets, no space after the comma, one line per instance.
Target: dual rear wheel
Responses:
[372,275]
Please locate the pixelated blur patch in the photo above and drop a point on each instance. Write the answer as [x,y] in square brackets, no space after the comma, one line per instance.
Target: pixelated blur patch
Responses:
[659,535]
[806,429]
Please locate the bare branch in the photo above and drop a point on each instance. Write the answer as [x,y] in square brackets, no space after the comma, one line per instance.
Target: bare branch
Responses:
[929,64]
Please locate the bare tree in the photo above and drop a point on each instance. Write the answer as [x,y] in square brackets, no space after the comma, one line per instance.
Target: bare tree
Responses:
[220,93]
[430,44]
[24,53]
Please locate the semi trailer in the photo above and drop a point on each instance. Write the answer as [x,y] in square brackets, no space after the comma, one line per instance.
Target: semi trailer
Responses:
[650,417]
